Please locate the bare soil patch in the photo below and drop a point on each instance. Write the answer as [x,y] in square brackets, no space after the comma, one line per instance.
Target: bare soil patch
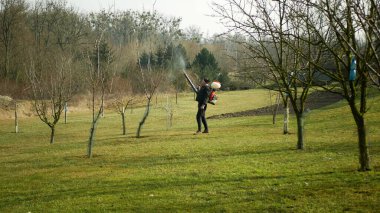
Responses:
[315,100]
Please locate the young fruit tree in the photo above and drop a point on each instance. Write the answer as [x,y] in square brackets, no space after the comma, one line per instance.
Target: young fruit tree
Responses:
[51,88]
[56,35]
[123,98]
[150,80]
[169,109]
[121,107]
[99,73]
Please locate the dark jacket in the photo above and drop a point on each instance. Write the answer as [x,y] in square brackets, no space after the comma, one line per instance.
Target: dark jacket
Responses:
[203,95]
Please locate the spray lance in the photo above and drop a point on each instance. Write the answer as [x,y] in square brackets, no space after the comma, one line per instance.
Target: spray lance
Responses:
[214,86]
[190,82]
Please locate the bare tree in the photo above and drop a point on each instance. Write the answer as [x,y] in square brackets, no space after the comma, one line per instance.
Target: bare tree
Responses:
[169,109]
[122,105]
[50,64]
[51,88]
[150,79]
[99,64]
[274,38]
[123,98]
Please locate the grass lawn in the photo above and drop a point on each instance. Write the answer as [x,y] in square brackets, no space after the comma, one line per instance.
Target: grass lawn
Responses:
[244,165]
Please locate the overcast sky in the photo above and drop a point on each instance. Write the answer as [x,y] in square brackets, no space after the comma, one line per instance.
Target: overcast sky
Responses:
[193,12]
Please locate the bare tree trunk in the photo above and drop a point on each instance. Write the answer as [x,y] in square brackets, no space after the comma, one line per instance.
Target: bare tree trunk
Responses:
[286,117]
[131,107]
[92,132]
[363,149]
[171,119]
[362,138]
[91,140]
[65,112]
[361,126]
[169,114]
[144,118]
[300,129]
[277,104]
[52,134]
[176,96]
[102,107]
[93,103]
[363,146]
[123,121]
[16,118]
[95,120]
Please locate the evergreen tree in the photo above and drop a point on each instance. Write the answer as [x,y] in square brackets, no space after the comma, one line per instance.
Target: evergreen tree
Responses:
[147,60]
[206,66]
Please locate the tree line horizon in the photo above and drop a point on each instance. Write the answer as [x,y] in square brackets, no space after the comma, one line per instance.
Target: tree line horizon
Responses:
[129,36]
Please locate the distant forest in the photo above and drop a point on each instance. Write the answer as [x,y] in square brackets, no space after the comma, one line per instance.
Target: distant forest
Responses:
[37,38]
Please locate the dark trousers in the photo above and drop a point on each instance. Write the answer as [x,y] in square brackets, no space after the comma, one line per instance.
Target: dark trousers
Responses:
[201,117]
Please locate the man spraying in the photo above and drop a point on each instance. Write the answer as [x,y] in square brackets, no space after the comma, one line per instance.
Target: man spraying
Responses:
[202,99]
[205,94]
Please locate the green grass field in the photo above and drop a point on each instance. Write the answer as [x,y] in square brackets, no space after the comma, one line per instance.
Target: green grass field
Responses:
[244,165]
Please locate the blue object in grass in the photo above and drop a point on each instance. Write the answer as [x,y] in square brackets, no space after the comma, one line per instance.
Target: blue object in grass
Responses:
[352,70]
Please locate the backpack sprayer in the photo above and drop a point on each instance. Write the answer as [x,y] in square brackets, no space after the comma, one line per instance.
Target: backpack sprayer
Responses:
[214,85]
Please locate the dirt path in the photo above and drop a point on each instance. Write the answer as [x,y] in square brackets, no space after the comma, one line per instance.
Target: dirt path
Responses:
[315,100]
